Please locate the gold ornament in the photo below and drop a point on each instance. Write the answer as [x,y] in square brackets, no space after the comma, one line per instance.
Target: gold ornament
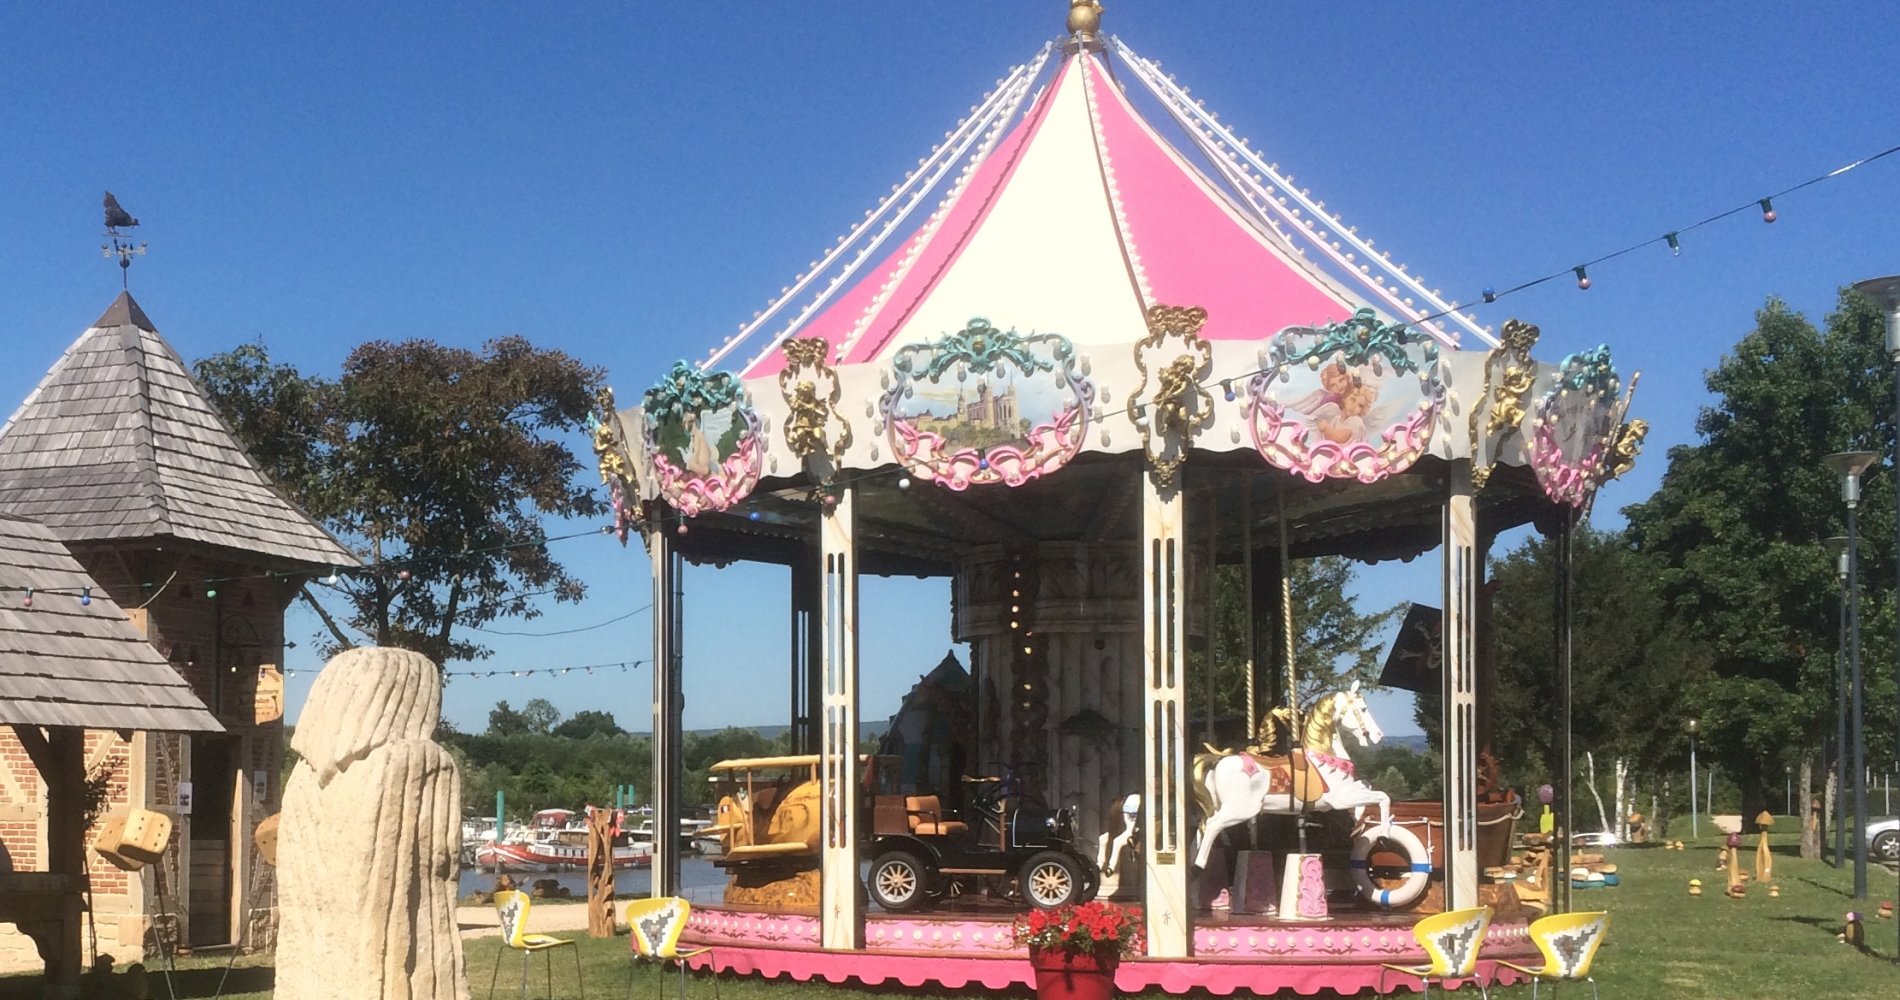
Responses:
[1085,18]
[1180,406]
[811,409]
[1625,445]
[1507,392]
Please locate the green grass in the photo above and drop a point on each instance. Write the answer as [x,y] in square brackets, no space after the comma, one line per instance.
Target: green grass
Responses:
[1662,944]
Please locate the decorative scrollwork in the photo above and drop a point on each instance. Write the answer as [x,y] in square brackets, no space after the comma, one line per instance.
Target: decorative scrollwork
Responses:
[617,470]
[812,391]
[703,438]
[1575,423]
[1009,427]
[1179,408]
[1357,399]
[1507,394]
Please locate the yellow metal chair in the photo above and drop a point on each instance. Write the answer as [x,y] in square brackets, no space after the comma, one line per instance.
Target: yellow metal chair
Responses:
[1569,942]
[512,907]
[1451,940]
[656,925]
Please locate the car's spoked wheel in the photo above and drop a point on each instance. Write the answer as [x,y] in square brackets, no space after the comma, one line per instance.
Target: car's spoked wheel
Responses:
[1049,880]
[1887,847]
[897,882]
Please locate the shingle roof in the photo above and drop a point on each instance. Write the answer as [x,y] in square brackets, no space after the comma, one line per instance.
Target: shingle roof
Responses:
[64,663]
[119,443]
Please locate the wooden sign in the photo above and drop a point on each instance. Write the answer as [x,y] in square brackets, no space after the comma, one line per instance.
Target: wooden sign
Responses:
[268,699]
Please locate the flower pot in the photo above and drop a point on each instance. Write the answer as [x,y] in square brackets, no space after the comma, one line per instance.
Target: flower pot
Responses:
[1071,975]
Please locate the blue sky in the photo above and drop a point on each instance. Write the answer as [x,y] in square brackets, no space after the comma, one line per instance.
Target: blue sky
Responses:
[628,182]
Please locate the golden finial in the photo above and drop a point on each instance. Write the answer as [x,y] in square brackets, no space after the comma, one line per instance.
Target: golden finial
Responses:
[1085,18]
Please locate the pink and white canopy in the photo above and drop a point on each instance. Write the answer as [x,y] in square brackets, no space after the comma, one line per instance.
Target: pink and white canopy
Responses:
[1074,218]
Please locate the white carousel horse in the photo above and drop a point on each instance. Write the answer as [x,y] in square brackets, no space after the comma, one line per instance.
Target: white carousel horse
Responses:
[1234,787]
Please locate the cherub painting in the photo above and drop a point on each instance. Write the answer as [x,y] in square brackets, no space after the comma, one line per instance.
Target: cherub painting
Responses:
[1344,408]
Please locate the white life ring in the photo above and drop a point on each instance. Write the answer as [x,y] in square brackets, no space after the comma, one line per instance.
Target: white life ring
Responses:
[1416,878]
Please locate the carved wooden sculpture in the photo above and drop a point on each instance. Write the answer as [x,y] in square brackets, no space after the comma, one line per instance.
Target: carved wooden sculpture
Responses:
[368,841]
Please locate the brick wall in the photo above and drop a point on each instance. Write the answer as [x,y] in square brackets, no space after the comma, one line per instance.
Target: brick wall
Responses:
[216,643]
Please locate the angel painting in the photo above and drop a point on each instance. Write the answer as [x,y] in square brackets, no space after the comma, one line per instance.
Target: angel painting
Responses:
[1344,409]
[699,451]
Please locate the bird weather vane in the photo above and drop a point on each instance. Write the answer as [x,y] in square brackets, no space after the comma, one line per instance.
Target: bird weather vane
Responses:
[120,245]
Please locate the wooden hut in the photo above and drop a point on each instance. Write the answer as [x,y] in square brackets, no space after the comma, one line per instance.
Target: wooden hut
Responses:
[76,676]
[122,457]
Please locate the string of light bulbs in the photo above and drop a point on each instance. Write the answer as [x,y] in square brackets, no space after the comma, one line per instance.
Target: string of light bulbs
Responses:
[621,666]
[335,576]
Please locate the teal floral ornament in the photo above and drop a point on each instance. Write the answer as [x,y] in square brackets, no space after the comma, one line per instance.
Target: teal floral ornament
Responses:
[703,438]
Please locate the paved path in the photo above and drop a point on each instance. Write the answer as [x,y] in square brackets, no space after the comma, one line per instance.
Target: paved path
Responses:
[543,918]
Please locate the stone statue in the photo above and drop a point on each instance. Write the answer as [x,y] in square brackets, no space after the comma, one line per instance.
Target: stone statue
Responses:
[368,841]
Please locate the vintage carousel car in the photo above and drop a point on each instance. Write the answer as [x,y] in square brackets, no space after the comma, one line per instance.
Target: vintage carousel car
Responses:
[1108,379]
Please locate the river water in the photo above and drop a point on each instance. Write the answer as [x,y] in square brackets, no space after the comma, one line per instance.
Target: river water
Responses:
[700,882]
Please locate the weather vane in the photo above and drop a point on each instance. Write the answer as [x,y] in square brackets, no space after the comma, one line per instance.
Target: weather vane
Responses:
[120,244]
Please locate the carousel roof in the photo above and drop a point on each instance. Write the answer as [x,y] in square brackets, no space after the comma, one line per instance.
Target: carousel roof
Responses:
[1073,214]
[1108,273]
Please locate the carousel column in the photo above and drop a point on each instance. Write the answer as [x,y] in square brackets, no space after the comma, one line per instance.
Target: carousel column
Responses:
[1164,659]
[1461,691]
[840,920]
[668,702]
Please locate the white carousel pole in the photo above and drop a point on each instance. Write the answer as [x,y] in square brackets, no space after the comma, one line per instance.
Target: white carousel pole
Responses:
[1164,660]
[1460,690]
[667,705]
[841,921]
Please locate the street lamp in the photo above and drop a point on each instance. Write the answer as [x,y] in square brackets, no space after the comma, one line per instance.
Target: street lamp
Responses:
[1837,550]
[1849,465]
[1695,827]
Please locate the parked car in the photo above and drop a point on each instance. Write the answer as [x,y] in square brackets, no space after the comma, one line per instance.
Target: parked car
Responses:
[1883,840]
[1604,839]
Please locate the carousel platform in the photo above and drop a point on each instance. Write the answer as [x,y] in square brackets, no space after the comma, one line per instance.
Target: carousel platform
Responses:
[973,947]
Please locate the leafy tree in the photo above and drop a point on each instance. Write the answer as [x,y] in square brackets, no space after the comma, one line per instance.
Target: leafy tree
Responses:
[540,716]
[1632,668]
[1735,534]
[589,723]
[1336,644]
[443,460]
[504,720]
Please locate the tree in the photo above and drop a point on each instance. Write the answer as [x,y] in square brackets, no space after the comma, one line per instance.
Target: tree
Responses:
[503,720]
[1632,669]
[1735,533]
[1336,643]
[589,723]
[435,463]
[540,716]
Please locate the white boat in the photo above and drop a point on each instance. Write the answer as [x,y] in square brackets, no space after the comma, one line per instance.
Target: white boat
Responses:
[556,840]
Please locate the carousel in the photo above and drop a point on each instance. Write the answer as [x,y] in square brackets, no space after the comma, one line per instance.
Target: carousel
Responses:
[1100,364]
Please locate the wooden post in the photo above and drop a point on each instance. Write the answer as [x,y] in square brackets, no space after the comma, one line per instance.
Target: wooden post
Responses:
[600,873]
[1164,654]
[840,919]
[60,756]
[1461,574]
